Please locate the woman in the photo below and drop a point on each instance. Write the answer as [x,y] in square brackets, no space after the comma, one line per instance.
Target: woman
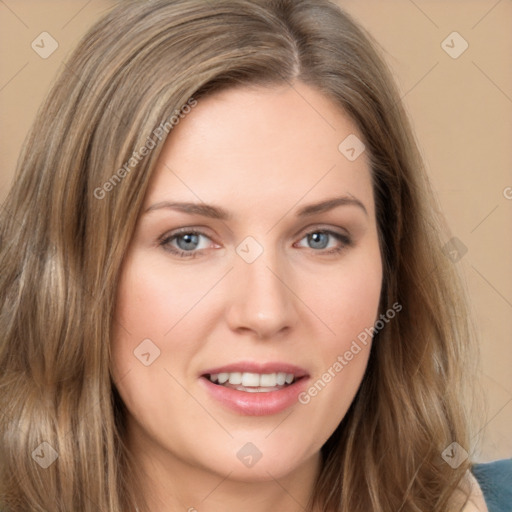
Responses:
[222,282]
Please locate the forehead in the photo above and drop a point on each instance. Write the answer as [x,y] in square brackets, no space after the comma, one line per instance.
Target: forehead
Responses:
[255,147]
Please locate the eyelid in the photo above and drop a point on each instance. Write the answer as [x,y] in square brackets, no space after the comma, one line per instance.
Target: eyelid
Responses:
[164,240]
[185,231]
[313,228]
[342,235]
[344,239]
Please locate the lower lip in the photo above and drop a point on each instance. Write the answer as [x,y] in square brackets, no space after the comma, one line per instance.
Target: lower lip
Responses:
[256,404]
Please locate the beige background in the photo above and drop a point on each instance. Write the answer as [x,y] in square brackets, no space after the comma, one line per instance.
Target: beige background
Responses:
[461,109]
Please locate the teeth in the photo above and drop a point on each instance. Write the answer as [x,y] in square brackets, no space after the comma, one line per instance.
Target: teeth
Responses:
[253,380]
[268,380]
[223,377]
[250,379]
[235,378]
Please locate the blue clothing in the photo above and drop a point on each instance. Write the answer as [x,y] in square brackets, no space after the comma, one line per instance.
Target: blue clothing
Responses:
[495,479]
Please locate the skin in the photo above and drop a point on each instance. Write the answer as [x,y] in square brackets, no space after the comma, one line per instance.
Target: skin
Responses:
[261,154]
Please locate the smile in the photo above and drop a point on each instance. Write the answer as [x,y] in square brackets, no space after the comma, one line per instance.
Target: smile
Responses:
[255,390]
[253,382]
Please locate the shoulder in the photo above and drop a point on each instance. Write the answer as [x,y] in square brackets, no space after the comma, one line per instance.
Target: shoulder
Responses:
[476,502]
[469,496]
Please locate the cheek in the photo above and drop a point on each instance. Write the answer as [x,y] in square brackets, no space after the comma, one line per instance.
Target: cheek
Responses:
[145,353]
[156,313]
[146,309]
[153,297]
[348,302]
[347,299]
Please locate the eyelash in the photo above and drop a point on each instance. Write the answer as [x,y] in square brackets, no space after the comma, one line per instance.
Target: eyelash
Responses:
[165,240]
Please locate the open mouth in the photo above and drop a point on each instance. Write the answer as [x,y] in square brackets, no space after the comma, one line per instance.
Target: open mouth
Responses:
[255,389]
[253,382]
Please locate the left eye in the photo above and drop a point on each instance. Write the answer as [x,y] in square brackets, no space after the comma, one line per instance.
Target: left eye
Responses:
[321,240]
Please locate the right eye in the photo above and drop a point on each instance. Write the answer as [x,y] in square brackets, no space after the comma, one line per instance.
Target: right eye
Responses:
[185,243]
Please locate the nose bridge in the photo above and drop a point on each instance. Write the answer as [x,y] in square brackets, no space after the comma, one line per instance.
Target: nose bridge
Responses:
[261,281]
[262,302]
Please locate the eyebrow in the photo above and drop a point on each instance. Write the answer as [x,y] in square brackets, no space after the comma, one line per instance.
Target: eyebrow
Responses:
[216,212]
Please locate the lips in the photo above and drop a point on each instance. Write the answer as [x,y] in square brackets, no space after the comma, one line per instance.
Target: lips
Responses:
[255,389]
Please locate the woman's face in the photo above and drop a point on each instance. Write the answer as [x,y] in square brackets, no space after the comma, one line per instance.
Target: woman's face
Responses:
[255,259]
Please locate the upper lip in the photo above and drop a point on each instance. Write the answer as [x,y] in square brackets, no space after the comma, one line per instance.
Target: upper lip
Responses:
[261,368]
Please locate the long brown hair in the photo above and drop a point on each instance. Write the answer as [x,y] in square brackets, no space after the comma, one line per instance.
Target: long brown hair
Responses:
[69,217]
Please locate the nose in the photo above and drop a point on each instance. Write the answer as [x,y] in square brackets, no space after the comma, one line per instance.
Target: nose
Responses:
[261,299]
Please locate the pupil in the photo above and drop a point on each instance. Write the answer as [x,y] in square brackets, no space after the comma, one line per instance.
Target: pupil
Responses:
[318,240]
[191,240]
